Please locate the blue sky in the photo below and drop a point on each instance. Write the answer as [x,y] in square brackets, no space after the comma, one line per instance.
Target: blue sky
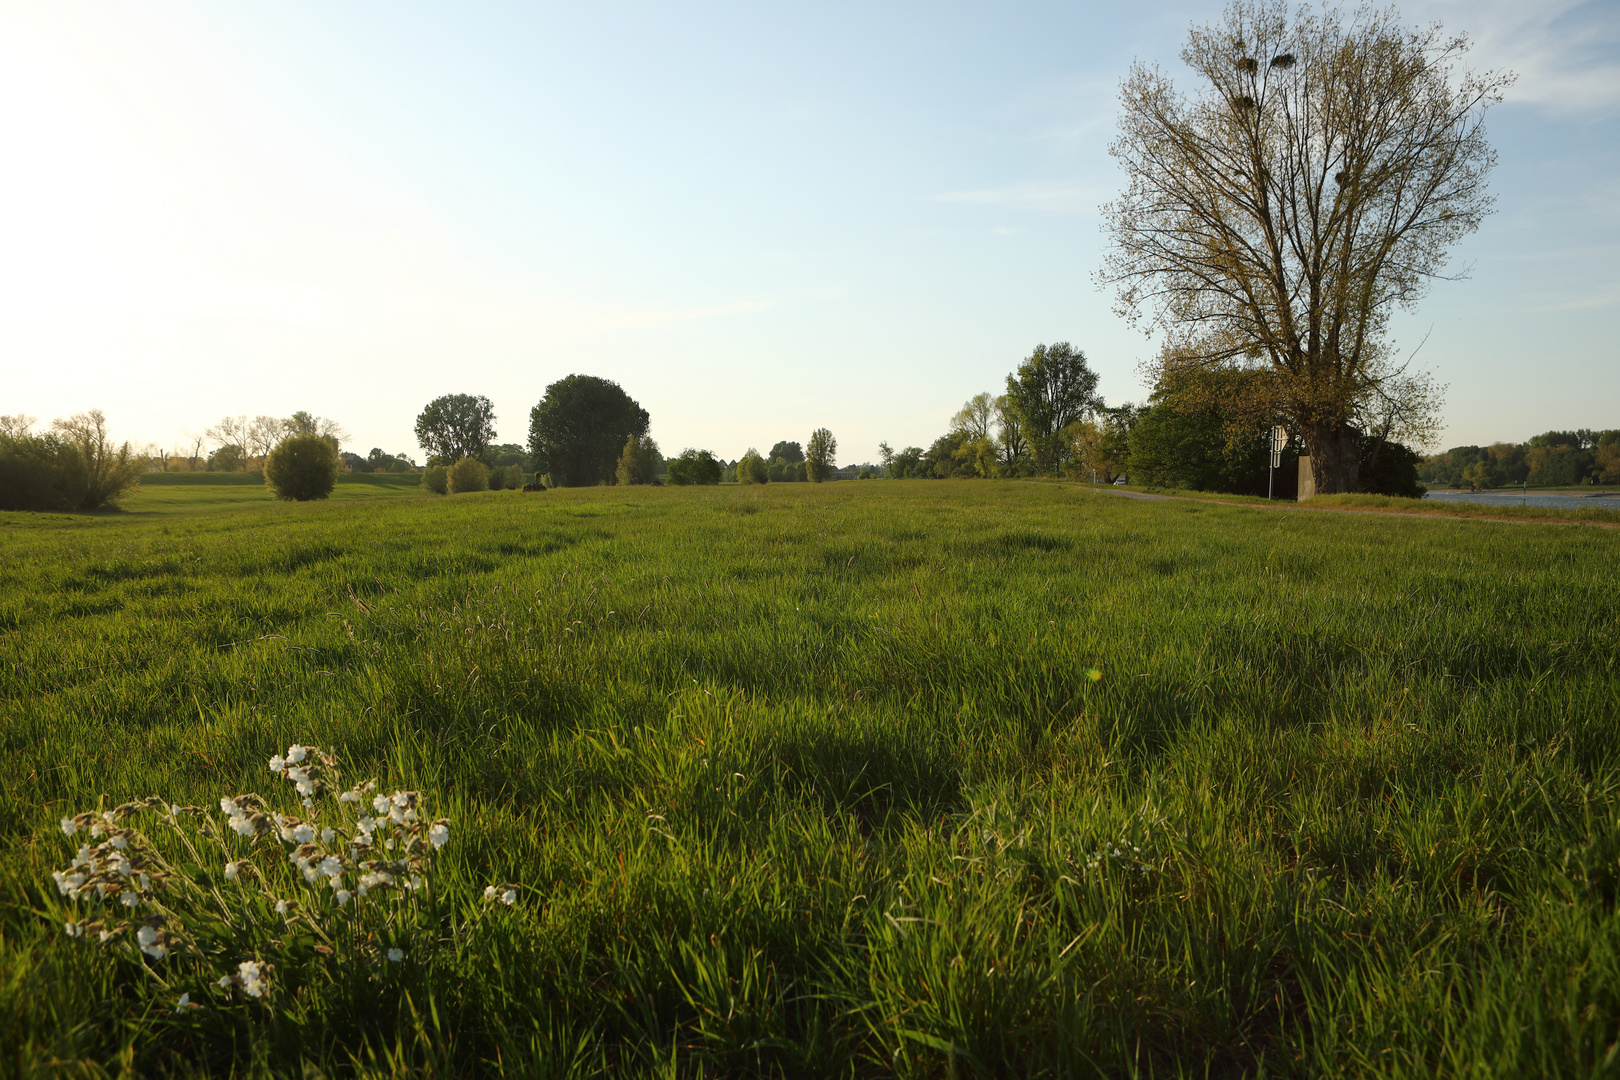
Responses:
[760,219]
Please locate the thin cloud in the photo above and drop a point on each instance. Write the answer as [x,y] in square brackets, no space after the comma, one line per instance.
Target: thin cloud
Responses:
[1566,52]
[1043,196]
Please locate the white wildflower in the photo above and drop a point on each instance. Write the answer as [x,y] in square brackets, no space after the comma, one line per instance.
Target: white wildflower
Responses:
[509,897]
[227,805]
[296,753]
[119,842]
[328,834]
[252,978]
[416,881]
[183,1004]
[281,907]
[243,826]
[69,826]
[277,763]
[331,866]
[396,955]
[96,829]
[342,897]
[439,834]
[232,870]
[128,899]
[349,796]
[224,982]
[304,834]
[105,936]
[381,804]
[490,892]
[73,929]
[147,938]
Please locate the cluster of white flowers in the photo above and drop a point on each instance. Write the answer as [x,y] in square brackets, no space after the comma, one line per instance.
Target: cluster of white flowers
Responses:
[361,844]
[308,769]
[251,976]
[116,868]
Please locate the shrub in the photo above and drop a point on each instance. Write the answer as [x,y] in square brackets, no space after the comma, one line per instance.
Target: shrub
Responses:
[468,474]
[41,472]
[110,471]
[436,478]
[301,467]
[506,477]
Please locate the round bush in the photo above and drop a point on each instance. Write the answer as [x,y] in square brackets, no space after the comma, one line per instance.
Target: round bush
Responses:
[435,478]
[301,467]
[468,474]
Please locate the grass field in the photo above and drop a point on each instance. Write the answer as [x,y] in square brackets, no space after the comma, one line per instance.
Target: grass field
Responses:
[889,778]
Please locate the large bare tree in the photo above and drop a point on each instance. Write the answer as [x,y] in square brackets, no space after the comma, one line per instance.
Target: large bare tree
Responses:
[1311,184]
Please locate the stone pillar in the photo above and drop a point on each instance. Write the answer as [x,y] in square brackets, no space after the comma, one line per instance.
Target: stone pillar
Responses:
[1307,479]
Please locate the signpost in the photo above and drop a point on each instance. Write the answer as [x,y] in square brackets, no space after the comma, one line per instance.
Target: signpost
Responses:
[1279,439]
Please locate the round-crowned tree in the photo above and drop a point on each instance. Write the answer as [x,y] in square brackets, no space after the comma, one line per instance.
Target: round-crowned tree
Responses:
[578,430]
[301,467]
[468,474]
[434,479]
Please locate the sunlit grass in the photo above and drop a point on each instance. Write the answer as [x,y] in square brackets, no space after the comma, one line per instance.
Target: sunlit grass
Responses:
[865,778]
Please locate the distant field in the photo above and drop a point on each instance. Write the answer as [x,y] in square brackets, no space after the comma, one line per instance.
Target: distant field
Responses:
[912,778]
[171,493]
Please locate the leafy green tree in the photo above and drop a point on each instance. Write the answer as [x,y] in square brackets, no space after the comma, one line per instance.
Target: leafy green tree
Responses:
[751,469]
[303,423]
[468,474]
[1051,389]
[1389,469]
[787,452]
[1012,449]
[695,467]
[381,461]
[977,417]
[1101,447]
[456,426]
[639,461]
[1175,445]
[907,464]
[436,479]
[301,467]
[228,458]
[821,457]
[578,430]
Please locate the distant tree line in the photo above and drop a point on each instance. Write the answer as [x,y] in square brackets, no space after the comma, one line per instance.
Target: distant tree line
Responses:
[1050,421]
[1551,459]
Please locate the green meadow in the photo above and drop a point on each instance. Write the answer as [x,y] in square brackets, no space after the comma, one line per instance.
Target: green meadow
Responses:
[927,779]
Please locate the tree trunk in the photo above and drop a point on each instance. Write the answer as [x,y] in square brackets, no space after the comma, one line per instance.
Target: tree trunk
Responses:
[1335,451]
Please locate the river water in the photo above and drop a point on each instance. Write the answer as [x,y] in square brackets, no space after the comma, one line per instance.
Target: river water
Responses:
[1514,498]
